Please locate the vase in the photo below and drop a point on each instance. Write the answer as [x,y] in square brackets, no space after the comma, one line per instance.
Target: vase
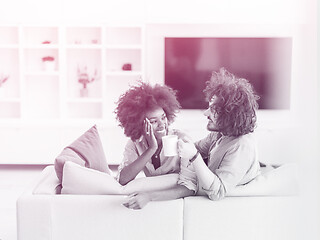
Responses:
[84,92]
[49,66]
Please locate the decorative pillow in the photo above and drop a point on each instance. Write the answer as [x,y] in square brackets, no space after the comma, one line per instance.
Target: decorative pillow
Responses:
[281,181]
[48,182]
[86,151]
[81,180]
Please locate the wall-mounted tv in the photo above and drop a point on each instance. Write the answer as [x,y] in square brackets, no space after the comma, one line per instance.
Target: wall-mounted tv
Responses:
[265,62]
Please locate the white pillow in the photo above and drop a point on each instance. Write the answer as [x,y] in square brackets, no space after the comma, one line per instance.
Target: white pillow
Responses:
[48,182]
[154,183]
[81,180]
[281,181]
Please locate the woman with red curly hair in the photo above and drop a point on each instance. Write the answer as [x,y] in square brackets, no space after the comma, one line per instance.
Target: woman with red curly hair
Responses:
[145,113]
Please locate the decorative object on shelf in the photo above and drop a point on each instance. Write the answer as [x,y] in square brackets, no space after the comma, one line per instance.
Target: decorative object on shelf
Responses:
[127,67]
[3,79]
[46,42]
[48,63]
[84,78]
[94,41]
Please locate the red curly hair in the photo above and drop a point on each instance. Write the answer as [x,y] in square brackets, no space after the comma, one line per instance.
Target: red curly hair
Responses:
[236,103]
[133,105]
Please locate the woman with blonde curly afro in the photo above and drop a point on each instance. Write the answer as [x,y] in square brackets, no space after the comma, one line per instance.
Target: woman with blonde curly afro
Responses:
[145,112]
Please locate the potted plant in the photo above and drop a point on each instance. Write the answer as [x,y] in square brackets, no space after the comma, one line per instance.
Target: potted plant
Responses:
[85,79]
[48,63]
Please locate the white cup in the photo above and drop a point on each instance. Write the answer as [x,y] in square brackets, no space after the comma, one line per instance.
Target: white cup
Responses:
[170,145]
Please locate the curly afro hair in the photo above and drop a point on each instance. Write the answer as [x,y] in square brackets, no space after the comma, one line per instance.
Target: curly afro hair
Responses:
[236,103]
[133,105]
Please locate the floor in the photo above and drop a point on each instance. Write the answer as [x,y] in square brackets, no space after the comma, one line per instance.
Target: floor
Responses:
[14,180]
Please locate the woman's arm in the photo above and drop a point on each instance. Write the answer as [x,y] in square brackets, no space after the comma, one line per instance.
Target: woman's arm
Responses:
[139,200]
[130,171]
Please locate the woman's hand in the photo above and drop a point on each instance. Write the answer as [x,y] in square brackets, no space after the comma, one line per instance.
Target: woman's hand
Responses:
[186,149]
[149,135]
[137,200]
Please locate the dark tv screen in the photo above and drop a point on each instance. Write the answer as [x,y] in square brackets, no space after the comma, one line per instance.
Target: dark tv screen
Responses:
[264,62]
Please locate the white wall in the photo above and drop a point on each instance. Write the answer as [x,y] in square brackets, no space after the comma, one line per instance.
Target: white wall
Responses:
[174,11]
[231,18]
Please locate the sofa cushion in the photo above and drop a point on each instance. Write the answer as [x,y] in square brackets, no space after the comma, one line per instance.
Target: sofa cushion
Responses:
[86,151]
[81,180]
[249,218]
[84,217]
[281,181]
[48,182]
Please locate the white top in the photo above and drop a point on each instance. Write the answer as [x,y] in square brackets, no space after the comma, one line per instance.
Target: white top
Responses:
[233,160]
[134,149]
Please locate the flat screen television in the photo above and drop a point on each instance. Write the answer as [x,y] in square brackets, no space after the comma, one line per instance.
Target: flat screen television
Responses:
[264,62]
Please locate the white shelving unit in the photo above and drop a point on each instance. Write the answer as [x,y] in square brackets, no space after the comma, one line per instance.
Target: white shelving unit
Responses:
[113,54]
[42,106]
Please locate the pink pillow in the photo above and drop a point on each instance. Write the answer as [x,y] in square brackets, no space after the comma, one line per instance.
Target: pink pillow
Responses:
[86,151]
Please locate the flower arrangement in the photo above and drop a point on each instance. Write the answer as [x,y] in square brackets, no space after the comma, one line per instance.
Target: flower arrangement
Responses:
[3,79]
[48,59]
[84,78]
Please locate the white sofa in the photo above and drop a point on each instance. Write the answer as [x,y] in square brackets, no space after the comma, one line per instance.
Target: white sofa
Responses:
[42,214]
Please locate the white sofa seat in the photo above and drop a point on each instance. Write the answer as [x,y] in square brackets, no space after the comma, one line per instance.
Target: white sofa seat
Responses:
[58,217]
[249,218]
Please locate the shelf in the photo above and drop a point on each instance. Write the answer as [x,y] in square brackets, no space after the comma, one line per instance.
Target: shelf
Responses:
[9,110]
[124,35]
[84,100]
[9,46]
[33,59]
[84,46]
[45,102]
[37,35]
[124,73]
[9,35]
[41,46]
[83,35]
[36,91]
[9,100]
[42,73]
[124,46]
[116,58]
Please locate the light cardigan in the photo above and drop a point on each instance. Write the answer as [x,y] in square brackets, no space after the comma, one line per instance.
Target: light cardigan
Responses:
[134,149]
[233,160]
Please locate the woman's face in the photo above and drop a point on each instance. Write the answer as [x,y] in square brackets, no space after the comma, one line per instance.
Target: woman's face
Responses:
[159,122]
